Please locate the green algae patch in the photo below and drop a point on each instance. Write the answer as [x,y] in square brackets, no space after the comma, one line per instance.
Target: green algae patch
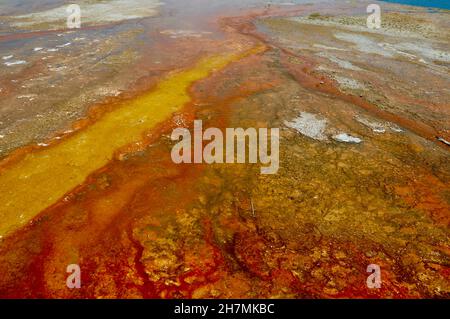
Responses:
[41,178]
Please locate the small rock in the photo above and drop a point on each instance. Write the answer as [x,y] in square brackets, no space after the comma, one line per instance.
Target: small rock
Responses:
[344,137]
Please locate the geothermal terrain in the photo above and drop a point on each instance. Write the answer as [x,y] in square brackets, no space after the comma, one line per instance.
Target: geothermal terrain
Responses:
[87,178]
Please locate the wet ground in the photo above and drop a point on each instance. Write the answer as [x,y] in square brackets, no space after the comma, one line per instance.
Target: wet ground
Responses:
[86,175]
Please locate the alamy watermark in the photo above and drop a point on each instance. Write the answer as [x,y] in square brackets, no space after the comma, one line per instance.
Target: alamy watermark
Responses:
[191,149]
[74,279]
[374,19]
[74,16]
[374,279]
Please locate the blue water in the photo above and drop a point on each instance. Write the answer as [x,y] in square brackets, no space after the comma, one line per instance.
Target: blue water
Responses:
[444,4]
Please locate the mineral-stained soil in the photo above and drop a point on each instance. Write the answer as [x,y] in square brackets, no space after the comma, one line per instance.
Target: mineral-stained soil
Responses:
[363,115]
